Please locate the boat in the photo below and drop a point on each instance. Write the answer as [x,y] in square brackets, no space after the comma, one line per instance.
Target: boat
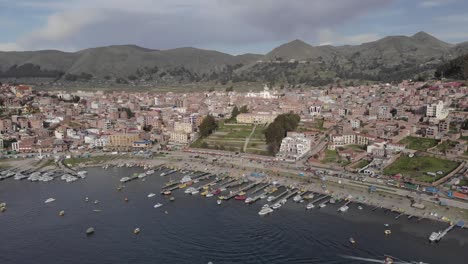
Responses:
[150,172]
[209,195]
[195,191]
[219,202]
[332,200]
[263,196]
[265,211]
[62,213]
[183,185]
[126,199]
[136,231]
[435,236]
[387,232]
[86,199]
[389,260]
[283,201]
[49,200]
[359,207]
[352,241]
[167,192]
[310,206]
[297,198]
[90,231]
[222,197]
[240,197]
[186,179]
[343,208]
[204,193]
[222,189]
[142,175]
[248,200]
[162,174]
[276,206]
[124,179]
[172,199]
[189,190]
[270,198]
[157,205]
[322,205]
[151,195]
[216,192]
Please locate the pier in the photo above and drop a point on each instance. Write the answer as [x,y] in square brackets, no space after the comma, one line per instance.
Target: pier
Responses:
[246,188]
[319,199]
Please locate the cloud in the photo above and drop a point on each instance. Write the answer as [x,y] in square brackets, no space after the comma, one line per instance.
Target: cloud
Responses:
[329,37]
[166,24]
[10,46]
[434,3]
[455,18]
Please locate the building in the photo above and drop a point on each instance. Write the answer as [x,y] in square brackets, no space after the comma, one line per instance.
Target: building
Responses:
[294,147]
[123,141]
[183,127]
[177,137]
[255,118]
[437,111]
[348,139]
[355,123]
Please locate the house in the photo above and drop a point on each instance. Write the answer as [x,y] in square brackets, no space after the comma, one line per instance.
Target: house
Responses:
[294,147]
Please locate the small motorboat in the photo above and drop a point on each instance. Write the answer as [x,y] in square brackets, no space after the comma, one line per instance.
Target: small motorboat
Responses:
[86,199]
[62,213]
[219,202]
[96,201]
[49,200]
[240,197]
[157,205]
[310,206]
[359,207]
[172,199]
[126,199]
[151,195]
[387,232]
[276,206]
[209,195]
[352,241]
[167,192]
[90,231]
[136,231]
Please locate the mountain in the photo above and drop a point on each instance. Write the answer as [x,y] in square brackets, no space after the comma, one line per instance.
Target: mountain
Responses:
[297,62]
[454,69]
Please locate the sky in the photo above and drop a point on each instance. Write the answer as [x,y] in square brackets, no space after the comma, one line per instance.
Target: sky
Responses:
[231,26]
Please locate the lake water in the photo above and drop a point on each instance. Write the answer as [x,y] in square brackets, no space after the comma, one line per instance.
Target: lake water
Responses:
[196,229]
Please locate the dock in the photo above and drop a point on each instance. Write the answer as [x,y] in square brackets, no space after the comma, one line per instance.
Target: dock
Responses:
[319,199]
[344,207]
[260,188]
[246,188]
[398,216]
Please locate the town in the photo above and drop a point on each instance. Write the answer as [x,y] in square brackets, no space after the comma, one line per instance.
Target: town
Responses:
[411,134]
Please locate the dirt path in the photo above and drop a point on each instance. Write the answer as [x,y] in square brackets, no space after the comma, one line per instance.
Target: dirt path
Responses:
[248,139]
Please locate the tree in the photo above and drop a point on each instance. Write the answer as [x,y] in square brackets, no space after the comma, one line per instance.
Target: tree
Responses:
[229,89]
[276,131]
[207,126]
[235,112]
[244,109]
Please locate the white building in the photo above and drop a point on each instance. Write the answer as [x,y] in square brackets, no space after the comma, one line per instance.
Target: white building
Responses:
[437,111]
[59,133]
[265,94]
[183,127]
[294,147]
[355,123]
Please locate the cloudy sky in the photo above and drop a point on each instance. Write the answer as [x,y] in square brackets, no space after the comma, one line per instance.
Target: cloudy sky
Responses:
[233,26]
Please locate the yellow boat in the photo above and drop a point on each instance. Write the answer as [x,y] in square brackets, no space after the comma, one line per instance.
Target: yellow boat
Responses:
[182,186]
[222,197]
[205,187]
[273,190]
[204,193]
[241,193]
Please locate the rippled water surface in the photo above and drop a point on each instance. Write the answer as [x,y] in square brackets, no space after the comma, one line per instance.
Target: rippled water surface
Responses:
[196,229]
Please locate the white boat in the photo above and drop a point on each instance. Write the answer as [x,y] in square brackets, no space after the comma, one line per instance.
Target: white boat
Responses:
[276,206]
[124,179]
[219,202]
[209,195]
[435,236]
[162,174]
[343,208]
[265,211]
[185,179]
[322,205]
[223,189]
[359,207]
[157,205]
[151,195]
[310,206]
[150,172]
[263,196]
[195,192]
[270,198]
[248,200]
[141,175]
[49,200]
[297,198]
[283,201]
[189,190]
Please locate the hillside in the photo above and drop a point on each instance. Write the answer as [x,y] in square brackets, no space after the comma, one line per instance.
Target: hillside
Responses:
[454,69]
[297,62]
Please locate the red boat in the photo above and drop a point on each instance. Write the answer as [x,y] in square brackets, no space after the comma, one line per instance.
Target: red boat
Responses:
[216,192]
[240,197]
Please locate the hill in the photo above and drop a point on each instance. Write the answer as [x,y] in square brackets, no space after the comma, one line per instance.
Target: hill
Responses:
[297,62]
[454,69]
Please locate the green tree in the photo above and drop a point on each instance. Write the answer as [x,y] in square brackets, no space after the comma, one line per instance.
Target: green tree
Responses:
[207,126]
[276,131]
[244,109]
[235,112]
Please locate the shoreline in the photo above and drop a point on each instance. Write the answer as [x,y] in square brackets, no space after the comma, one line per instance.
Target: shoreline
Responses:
[380,199]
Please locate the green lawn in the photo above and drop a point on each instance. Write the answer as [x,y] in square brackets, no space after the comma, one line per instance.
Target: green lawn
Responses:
[331,156]
[232,136]
[464,138]
[361,164]
[417,143]
[417,167]
[446,145]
